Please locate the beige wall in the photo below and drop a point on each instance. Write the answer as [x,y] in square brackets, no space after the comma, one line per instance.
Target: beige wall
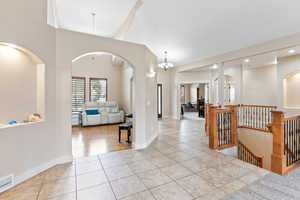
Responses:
[163,77]
[27,150]
[126,86]
[100,66]
[260,143]
[37,147]
[18,85]
[292,88]
[286,67]
[138,56]
[259,85]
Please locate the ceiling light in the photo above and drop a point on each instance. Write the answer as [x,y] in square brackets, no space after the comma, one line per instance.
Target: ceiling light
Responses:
[247,60]
[166,65]
[291,51]
[215,66]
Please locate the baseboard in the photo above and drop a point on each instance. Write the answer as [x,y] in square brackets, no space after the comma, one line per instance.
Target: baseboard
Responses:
[43,167]
[145,145]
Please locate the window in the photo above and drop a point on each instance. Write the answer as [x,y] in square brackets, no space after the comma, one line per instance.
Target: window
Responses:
[98,89]
[78,93]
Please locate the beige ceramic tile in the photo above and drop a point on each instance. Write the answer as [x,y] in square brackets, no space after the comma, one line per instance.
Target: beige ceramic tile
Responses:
[91,179]
[196,185]
[96,193]
[118,172]
[216,177]
[195,165]
[162,161]
[170,191]
[146,195]
[141,166]
[58,187]
[127,186]
[60,172]
[86,167]
[215,195]
[70,196]
[233,187]
[154,178]
[176,171]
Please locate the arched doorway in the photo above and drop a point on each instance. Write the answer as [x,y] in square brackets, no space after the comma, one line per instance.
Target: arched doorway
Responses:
[102,82]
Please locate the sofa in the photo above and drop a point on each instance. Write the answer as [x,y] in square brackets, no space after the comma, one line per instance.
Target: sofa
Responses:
[99,113]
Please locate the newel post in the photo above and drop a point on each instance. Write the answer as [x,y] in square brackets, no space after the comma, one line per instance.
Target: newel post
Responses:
[278,159]
[234,124]
[207,111]
[212,128]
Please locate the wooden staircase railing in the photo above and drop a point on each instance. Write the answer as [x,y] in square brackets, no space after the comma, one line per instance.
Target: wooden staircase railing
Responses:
[248,156]
[222,124]
[286,143]
[222,127]
[255,117]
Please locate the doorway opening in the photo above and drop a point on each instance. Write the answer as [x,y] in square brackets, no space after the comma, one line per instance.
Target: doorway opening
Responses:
[159,100]
[102,104]
[193,97]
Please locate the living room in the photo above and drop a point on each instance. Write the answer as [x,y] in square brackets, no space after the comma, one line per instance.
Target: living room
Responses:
[102,89]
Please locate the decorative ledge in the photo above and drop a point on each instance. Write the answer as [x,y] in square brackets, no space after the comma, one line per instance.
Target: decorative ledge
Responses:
[6,126]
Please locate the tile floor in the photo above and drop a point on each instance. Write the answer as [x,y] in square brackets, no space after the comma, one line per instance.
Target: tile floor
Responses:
[177,166]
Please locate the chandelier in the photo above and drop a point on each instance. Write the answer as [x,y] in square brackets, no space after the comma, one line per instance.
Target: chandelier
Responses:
[166,65]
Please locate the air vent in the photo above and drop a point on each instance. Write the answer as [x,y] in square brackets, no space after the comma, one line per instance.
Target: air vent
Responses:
[6,182]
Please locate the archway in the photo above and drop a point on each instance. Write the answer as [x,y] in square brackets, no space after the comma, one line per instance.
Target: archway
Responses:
[291,86]
[102,82]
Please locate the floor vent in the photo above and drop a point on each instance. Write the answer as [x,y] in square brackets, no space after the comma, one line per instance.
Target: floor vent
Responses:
[6,182]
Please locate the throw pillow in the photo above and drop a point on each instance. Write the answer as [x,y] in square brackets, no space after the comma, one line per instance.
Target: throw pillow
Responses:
[92,112]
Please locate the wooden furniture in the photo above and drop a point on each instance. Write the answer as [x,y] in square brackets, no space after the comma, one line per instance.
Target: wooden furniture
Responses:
[125,126]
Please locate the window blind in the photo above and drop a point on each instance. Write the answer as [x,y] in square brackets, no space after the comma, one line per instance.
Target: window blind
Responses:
[78,93]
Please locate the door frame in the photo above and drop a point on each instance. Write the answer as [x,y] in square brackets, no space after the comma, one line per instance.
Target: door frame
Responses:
[159,101]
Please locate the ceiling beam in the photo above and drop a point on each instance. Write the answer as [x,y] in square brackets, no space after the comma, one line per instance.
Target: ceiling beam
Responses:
[124,28]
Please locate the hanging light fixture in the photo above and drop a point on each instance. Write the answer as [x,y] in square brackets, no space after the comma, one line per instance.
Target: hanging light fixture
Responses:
[166,65]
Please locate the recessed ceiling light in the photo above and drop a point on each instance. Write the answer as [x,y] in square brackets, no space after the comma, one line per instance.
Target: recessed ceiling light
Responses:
[215,66]
[291,51]
[247,60]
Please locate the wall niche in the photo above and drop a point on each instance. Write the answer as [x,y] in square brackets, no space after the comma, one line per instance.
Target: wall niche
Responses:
[291,85]
[22,86]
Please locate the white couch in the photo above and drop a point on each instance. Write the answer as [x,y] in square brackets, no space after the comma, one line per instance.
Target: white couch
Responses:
[109,113]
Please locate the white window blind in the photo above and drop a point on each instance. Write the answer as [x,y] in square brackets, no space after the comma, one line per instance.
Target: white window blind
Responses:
[78,93]
[98,89]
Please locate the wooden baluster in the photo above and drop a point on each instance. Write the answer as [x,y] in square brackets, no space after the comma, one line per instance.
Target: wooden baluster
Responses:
[278,159]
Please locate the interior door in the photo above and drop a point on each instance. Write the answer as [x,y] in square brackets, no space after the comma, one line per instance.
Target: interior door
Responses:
[159,100]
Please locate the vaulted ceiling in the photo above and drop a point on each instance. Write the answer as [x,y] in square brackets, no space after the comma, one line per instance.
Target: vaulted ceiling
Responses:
[189,30]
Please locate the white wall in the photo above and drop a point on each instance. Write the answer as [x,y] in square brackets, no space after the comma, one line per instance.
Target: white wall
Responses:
[259,85]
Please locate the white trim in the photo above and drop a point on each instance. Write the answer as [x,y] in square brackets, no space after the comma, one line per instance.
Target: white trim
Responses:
[145,145]
[41,168]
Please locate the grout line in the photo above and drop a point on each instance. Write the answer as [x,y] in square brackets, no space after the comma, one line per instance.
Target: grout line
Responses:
[76,192]
[107,177]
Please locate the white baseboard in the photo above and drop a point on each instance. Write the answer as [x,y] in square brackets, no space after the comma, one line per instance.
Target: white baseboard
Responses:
[43,167]
[145,145]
